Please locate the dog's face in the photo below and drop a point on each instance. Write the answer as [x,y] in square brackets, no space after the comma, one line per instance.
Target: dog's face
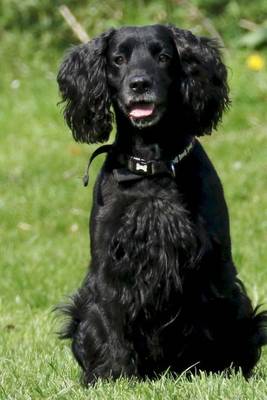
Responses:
[141,66]
[143,72]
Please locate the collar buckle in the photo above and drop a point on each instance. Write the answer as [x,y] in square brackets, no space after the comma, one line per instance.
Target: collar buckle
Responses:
[140,166]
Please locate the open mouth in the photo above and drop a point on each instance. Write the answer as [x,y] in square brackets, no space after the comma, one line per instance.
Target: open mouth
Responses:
[141,110]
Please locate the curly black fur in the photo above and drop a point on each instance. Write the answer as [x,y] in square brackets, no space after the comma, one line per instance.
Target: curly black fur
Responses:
[83,84]
[204,88]
[162,290]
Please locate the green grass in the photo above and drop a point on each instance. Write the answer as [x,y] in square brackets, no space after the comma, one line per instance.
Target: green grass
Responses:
[44,231]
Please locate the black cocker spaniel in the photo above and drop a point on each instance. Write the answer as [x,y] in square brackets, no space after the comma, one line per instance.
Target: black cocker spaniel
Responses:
[162,290]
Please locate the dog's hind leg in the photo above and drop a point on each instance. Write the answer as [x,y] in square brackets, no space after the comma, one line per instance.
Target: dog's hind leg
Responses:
[236,332]
[100,346]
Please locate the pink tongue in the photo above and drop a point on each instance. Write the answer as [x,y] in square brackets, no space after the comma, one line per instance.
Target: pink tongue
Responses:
[142,111]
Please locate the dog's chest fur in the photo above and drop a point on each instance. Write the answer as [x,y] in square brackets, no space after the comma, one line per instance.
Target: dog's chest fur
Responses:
[153,243]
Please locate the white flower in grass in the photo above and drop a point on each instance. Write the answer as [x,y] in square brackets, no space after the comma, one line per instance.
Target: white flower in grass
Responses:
[15,84]
[24,226]
[74,228]
[237,165]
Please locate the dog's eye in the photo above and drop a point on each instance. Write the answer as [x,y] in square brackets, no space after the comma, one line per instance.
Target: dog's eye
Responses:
[164,58]
[119,60]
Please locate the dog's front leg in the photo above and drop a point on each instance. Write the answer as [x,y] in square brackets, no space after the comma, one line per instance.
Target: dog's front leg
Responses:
[100,346]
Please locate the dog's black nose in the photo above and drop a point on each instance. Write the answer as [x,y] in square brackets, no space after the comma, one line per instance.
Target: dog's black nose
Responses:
[140,84]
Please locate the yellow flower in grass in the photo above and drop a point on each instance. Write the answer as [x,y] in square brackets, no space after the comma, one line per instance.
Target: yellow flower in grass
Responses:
[255,62]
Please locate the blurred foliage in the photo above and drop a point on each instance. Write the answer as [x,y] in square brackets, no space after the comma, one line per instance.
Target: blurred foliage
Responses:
[255,39]
[42,20]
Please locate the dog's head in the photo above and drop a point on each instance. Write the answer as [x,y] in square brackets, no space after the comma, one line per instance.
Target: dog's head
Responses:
[144,72]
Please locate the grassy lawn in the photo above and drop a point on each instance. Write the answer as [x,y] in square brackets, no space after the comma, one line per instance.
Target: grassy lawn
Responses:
[44,231]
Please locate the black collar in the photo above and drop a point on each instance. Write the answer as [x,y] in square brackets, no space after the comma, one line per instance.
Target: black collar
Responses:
[136,168]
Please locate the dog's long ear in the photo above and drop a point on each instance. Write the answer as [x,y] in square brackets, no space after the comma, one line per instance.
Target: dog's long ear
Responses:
[204,88]
[83,86]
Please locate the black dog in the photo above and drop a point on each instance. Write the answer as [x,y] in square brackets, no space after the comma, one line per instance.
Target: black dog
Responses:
[162,290]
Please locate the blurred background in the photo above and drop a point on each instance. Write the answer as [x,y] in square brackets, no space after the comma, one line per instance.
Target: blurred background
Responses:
[43,206]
